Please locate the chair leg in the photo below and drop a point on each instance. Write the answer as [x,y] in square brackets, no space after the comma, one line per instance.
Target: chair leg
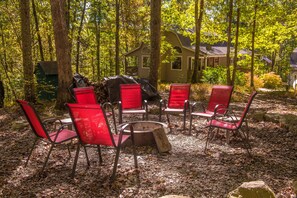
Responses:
[185,114]
[207,138]
[75,161]
[168,121]
[190,129]
[115,163]
[69,153]
[120,117]
[47,157]
[246,141]
[99,154]
[87,157]
[35,141]
[134,152]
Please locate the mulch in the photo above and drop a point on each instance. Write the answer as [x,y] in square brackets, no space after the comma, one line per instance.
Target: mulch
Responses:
[185,170]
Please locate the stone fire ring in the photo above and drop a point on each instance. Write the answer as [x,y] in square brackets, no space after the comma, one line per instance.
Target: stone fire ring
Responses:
[143,132]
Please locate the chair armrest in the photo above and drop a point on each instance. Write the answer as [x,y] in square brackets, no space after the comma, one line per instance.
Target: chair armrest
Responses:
[229,114]
[121,130]
[186,105]
[145,105]
[106,106]
[163,104]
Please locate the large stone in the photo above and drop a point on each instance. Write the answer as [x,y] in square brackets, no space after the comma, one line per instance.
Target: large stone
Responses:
[252,189]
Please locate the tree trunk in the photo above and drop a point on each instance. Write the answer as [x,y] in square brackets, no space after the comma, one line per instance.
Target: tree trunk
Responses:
[155,27]
[198,20]
[79,36]
[253,44]
[236,43]
[117,38]
[98,38]
[29,87]
[37,31]
[229,41]
[62,52]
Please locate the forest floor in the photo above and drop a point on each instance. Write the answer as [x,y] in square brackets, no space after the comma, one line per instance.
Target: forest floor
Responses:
[185,170]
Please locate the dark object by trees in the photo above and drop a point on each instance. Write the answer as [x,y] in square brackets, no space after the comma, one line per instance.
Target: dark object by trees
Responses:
[113,87]
[1,94]
[47,78]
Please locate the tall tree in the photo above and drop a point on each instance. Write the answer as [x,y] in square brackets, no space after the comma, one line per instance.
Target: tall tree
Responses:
[79,36]
[198,21]
[29,87]
[62,51]
[155,27]
[37,30]
[236,43]
[230,15]
[117,38]
[253,43]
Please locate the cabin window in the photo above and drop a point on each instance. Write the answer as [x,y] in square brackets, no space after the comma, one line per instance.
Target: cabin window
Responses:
[177,63]
[191,63]
[146,61]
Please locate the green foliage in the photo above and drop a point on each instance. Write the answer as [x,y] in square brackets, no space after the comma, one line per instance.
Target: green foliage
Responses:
[218,75]
[214,75]
[271,80]
[200,92]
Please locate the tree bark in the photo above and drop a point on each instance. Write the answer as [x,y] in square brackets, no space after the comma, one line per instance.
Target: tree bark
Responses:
[62,52]
[98,38]
[29,87]
[236,43]
[37,30]
[198,20]
[253,44]
[155,39]
[79,36]
[117,38]
[229,41]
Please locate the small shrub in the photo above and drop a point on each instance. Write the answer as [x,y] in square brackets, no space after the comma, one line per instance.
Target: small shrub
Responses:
[271,80]
[200,92]
[258,82]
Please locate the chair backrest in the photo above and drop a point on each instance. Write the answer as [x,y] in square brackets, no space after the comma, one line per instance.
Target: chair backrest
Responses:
[220,94]
[85,95]
[91,124]
[246,109]
[178,94]
[33,119]
[131,97]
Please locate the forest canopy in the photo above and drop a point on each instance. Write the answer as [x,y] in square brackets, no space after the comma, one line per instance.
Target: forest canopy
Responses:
[101,31]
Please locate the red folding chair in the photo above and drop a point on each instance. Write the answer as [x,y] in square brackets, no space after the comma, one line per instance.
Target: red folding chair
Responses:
[220,97]
[85,95]
[231,123]
[93,129]
[177,103]
[131,101]
[53,137]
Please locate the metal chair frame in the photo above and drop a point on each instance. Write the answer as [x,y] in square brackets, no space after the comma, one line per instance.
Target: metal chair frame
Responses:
[57,137]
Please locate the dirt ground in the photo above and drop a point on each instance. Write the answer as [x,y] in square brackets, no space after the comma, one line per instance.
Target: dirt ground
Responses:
[185,170]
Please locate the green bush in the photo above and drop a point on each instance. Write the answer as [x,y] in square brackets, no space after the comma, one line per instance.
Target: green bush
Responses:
[214,75]
[218,75]
[271,80]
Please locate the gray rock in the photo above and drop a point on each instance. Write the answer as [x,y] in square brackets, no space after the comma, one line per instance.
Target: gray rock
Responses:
[252,189]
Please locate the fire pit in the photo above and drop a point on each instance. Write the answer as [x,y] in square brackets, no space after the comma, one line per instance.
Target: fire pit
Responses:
[143,132]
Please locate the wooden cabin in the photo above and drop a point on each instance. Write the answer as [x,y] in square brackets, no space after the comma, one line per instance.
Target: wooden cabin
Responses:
[181,66]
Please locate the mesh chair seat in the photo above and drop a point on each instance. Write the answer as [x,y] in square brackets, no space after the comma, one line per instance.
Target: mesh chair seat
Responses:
[218,103]
[178,102]
[63,135]
[54,138]
[92,127]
